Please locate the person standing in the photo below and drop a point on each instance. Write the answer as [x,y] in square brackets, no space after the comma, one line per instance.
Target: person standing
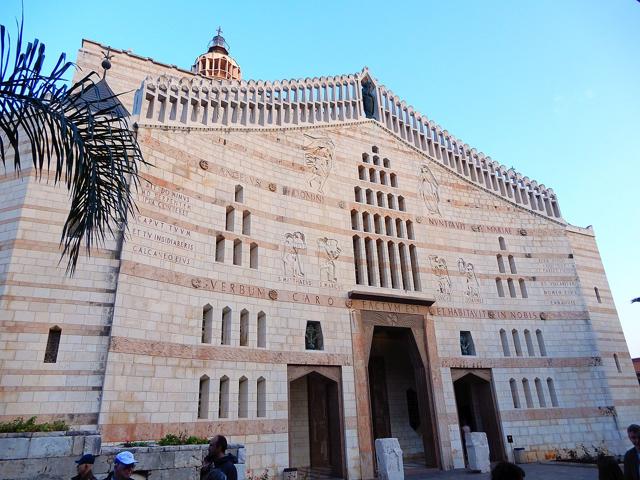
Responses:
[632,457]
[218,461]
[85,467]
[123,466]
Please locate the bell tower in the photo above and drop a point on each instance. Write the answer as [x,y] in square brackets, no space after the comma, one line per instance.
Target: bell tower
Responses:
[216,62]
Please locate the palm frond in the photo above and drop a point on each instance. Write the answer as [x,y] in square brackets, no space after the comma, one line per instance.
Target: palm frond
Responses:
[79,133]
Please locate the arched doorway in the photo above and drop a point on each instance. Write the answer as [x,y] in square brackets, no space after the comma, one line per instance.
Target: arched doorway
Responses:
[316,421]
[399,396]
[476,406]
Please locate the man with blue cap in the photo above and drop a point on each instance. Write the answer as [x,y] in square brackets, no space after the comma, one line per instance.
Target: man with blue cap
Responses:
[123,466]
[85,467]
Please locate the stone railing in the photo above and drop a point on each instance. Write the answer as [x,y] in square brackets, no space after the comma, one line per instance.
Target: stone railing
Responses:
[201,102]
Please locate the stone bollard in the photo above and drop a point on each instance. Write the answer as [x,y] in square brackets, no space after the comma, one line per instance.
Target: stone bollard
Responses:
[478,451]
[389,456]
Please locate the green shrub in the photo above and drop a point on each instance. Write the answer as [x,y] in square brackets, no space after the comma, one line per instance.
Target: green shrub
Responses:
[19,425]
[182,439]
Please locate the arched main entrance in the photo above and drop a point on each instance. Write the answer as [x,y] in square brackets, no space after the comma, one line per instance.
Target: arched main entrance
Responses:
[399,397]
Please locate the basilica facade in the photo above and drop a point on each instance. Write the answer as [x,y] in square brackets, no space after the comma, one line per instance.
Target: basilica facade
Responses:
[312,265]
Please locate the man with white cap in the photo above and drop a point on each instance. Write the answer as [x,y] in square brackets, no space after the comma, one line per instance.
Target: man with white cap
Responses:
[123,466]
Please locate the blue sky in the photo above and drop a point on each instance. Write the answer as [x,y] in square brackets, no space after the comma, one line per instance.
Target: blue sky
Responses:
[549,87]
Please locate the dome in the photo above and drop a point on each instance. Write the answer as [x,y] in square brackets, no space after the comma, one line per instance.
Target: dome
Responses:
[216,62]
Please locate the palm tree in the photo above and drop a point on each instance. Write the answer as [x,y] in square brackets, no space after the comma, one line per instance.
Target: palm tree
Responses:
[79,133]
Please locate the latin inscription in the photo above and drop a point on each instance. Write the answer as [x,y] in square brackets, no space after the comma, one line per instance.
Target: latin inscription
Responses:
[469,313]
[560,292]
[227,172]
[165,199]
[389,307]
[303,194]
[552,265]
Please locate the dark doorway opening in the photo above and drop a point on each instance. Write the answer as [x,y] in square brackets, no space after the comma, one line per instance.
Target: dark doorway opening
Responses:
[476,405]
[399,394]
[315,426]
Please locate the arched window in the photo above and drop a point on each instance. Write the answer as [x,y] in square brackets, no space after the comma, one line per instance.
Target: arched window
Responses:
[262,330]
[617,360]
[401,205]
[383,178]
[500,263]
[410,233]
[207,323]
[541,400]
[529,342]
[377,222]
[358,194]
[552,392]
[502,243]
[228,226]
[505,343]
[516,342]
[512,288]
[499,287]
[366,221]
[386,163]
[53,344]
[527,393]
[391,201]
[369,254]
[244,327]
[512,264]
[523,288]
[394,180]
[261,391]
[237,252]
[388,223]
[393,265]
[372,175]
[365,157]
[253,255]
[370,200]
[223,397]
[243,397]
[415,270]
[399,228]
[246,222]
[239,194]
[220,248]
[355,220]
[404,261]
[357,260]
[203,397]
[595,289]
[376,160]
[514,393]
[541,345]
[225,334]
[362,173]
[380,199]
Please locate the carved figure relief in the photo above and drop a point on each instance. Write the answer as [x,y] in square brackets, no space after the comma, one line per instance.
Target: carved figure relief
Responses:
[369,99]
[318,154]
[293,243]
[429,190]
[330,248]
[439,267]
[472,289]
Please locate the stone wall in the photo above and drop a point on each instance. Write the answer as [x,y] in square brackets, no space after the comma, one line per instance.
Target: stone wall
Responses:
[52,456]
[43,456]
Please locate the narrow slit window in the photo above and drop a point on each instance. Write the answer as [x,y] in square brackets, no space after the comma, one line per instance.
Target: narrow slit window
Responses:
[207,323]
[223,398]
[262,330]
[253,255]
[514,393]
[504,340]
[523,288]
[527,393]
[512,264]
[541,345]
[394,180]
[239,194]
[246,222]
[401,204]
[203,398]
[499,287]
[502,243]
[617,360]
[415,270]
[355,220]
[540,392]
[527,338]
[516,342]
[261,393]
[243,397]
[53,345]
[225,334]
[219,249]
[597,292]
[357,260]
[244,327]
[552,392]
[500,264]
[512,288]
[229,219]
[237,252]
[410,233]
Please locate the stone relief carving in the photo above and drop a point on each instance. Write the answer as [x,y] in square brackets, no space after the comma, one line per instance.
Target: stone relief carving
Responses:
[439,267]
[429,190]
[332,250]
[293,243]
[472,288]
[318,154]
[273,294]
[204,165]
